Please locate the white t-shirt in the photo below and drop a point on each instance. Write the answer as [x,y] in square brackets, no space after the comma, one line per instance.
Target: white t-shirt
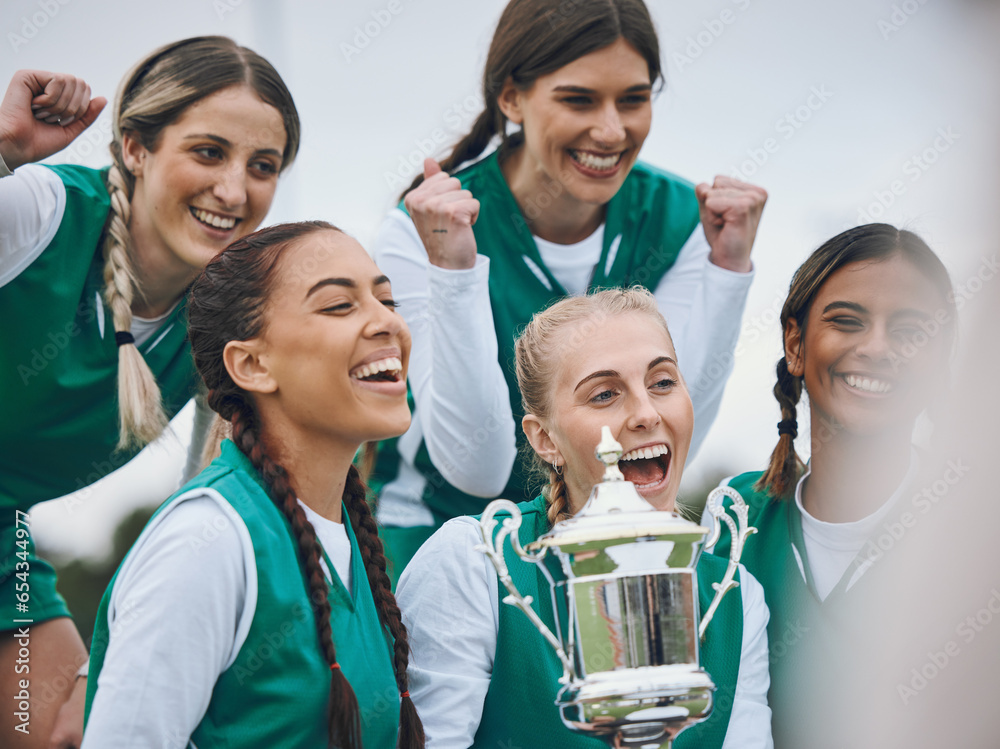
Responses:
[179,613]
[462,407]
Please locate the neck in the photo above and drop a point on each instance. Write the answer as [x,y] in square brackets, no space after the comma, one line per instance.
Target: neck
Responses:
[548,208]
[317,466]
[160,282]
[852,476]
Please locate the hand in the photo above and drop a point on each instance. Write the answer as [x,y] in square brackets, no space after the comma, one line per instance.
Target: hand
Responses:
[67,733]
[444,214]
[730,212]
[42,113]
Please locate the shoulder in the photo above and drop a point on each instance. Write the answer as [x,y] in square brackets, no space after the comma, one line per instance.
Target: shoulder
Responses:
[745,485]
[82,181]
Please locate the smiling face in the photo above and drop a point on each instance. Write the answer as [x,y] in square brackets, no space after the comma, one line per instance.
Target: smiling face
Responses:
[334,349]
[208,181]
[869,355]
[621,372]
[583,125]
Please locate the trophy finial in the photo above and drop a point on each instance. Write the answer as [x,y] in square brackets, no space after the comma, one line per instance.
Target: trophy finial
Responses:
[608,452]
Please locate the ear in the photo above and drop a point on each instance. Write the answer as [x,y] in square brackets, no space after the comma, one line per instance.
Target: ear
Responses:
[133,154]
[541,441]
[248,369]
[793,349]
[509,101]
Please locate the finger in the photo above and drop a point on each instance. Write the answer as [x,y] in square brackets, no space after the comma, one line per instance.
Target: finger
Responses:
[78,106]
[431,167]
[701,191]
[61,109]
[81,124]
[439,184]
[45,101]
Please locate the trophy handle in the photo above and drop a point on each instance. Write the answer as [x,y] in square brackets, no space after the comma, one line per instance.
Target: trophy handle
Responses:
[739,537]
[493,549]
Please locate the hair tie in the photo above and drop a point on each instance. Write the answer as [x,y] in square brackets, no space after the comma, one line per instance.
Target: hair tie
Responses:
[335,666]
[123,337]
[788,426]
[405,693]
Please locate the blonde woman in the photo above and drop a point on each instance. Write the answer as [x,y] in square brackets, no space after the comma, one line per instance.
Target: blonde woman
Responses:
[480,674]
[94,266]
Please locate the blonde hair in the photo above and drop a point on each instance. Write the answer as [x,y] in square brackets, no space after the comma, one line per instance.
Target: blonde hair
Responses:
[537,352]
[154,94]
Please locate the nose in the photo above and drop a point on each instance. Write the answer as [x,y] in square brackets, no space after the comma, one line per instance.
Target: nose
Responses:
[384,321]
[642,413]
[609,128]
[876,344]
[230,187]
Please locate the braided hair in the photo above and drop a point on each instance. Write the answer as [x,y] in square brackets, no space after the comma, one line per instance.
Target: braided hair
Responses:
[156,92]
[868,242]
[537,37]
[228,303]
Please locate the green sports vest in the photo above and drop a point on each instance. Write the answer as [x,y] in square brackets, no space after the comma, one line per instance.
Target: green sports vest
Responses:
[58,369]
[813,645]
[520,705]
[275,693]
[654,214]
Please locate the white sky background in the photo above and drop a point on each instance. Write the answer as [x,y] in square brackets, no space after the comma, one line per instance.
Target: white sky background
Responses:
[887,94]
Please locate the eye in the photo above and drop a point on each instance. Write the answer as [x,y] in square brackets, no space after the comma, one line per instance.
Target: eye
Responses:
[578,100]
[845,321]
[338,308]
[605,396]
[390,303]
[665,383]
[209,152]
[635,100]
[264,167]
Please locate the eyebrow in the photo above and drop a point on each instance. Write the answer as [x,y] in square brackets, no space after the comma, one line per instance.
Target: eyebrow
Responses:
[639,87]
[853,306]
[345,282]
[612,373]
[224,142]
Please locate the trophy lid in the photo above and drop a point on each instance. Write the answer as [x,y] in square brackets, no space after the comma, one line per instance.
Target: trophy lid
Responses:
[615,510]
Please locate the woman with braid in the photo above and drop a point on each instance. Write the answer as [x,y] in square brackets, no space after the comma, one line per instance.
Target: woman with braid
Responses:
[254,610]
[94,267]
[868,326]
[481,674]
[562,206]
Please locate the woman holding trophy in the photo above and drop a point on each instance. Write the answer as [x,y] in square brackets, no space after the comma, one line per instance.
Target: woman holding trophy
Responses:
[868,327]
[480,674]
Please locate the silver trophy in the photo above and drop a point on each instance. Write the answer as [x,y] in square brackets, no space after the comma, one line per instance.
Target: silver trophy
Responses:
[624,573]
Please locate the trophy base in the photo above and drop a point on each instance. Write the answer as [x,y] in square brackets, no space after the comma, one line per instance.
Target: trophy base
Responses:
[639,707]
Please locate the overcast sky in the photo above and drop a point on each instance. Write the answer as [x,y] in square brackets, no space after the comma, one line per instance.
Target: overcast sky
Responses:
[845,112]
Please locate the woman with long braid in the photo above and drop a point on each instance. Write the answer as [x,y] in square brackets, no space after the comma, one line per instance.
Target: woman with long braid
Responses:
[562,206]
[868,327]
[94,266]
[255,610]
[481,674]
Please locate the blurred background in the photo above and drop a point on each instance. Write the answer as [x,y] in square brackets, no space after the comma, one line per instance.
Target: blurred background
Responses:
[847,113]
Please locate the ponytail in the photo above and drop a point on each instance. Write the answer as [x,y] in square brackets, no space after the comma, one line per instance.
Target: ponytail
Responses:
[785,466]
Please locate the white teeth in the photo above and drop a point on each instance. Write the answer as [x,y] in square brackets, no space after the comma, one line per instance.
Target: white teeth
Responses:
[601,163]
[868,384]
[646,452]
[212,219]
[392,364]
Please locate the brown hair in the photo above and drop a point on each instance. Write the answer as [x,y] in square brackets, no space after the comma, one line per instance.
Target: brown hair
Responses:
[228,302]
[868,242]
[537,357]
[153,95]
[537,37]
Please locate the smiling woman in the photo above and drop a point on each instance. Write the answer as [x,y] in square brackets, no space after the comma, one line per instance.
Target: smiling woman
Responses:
[606,359]
[295,333]
[94,266]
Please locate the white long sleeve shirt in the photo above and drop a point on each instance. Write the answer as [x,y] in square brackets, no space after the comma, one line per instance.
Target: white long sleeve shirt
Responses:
[460,391]
[449,597]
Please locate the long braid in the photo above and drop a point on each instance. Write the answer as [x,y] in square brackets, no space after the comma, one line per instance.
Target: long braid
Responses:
[141,418]
[785,465]
[411,731]
[558,500]
[344,717]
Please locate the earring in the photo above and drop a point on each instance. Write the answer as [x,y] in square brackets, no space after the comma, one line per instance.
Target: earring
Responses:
[557,467]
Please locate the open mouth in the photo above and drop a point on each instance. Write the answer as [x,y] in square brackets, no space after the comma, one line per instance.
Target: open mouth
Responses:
[213,220]
[383,370]
[645,466]
[595,163]
[868,384]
